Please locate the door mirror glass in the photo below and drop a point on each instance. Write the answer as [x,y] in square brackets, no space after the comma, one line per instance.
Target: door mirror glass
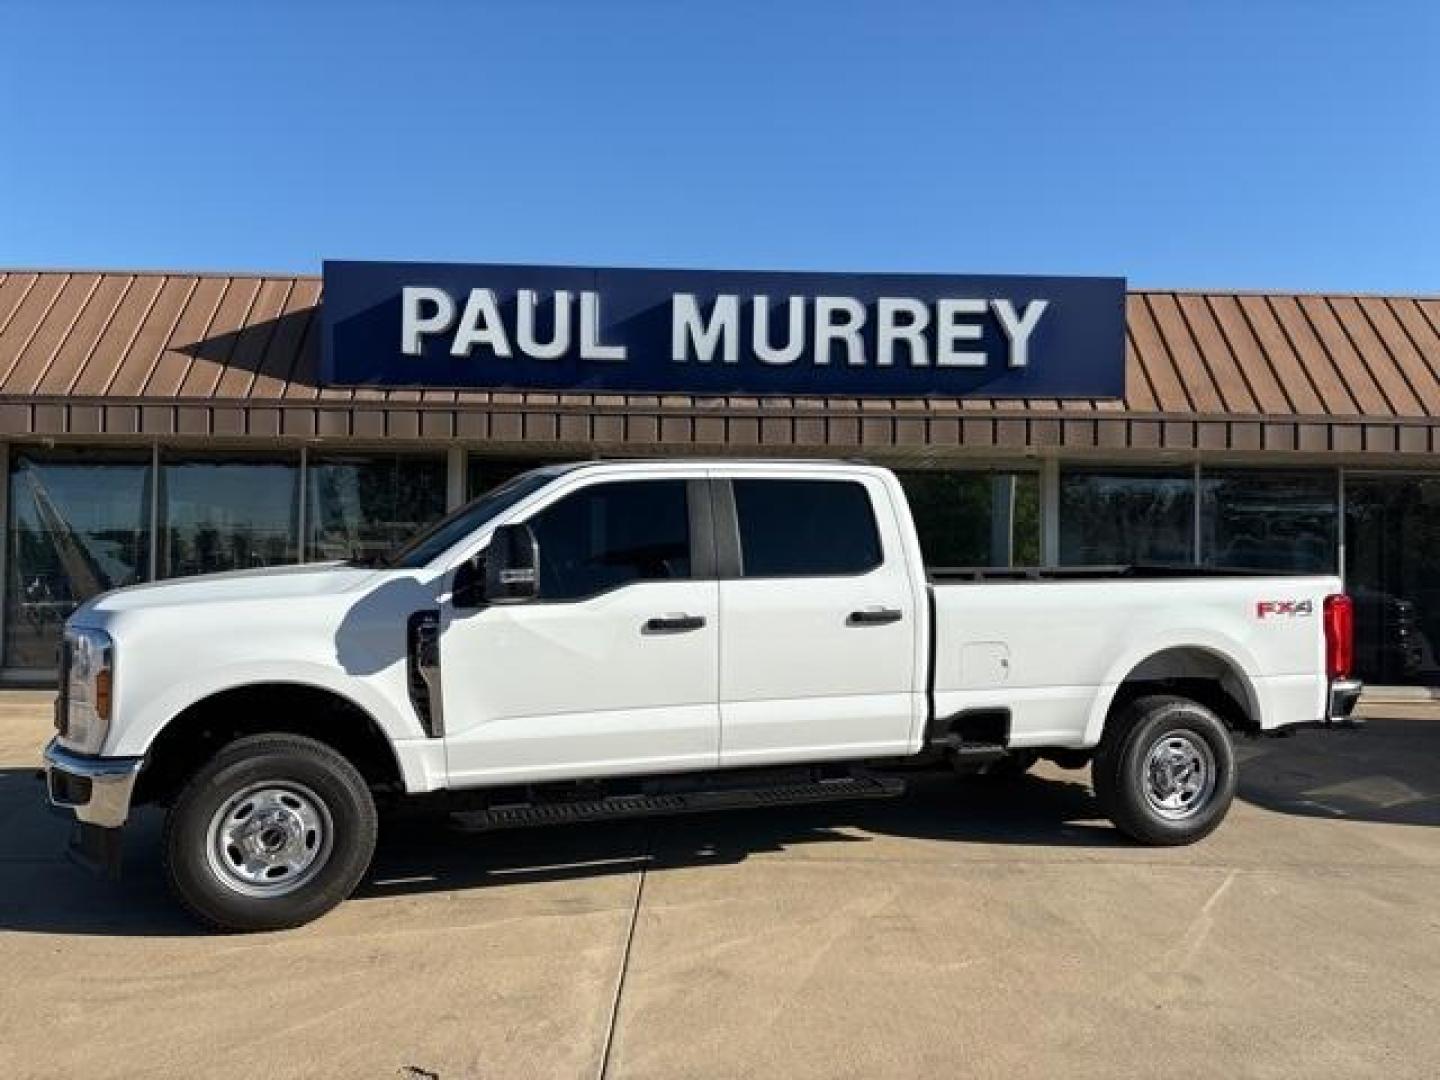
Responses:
[512,566]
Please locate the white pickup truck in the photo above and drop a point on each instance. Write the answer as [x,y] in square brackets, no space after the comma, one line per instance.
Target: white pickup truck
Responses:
[623,638]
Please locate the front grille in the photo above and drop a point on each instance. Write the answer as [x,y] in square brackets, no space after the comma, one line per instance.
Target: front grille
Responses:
[62,711]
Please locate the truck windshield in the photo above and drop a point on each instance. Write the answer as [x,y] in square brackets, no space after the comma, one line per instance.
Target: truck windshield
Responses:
[425,546]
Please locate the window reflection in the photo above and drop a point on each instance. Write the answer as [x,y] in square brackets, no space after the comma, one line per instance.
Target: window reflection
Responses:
[485,473]
[1110,518]
[1392,571]
[1263,520]
[228,514]
[79,525]
[976,518]
[360,506]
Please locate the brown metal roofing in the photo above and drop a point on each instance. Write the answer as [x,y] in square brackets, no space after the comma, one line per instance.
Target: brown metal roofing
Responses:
[144,354]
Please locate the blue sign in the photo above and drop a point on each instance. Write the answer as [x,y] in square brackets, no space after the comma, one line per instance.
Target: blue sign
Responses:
[721,332]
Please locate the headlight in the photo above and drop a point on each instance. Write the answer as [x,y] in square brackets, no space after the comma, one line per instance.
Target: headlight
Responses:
[88,673]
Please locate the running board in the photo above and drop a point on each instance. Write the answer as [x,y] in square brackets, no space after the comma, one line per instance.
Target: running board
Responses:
[971,753]
[521,815]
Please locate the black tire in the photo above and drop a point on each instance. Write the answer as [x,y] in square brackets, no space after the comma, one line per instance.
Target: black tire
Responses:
[331,823]
[1158,806]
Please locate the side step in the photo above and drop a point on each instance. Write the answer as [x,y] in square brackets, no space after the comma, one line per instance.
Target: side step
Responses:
[520,815]
[968,751]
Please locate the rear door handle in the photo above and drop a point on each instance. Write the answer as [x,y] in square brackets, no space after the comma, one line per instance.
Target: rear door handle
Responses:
[874,616]
[673,624]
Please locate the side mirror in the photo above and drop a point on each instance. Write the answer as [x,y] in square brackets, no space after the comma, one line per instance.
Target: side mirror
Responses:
[512,566]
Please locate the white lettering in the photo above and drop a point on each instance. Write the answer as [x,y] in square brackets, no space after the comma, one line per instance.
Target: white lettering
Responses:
[527,301]
[909,331]
[414,325]
[794,343]
[1018,330]
[949,330]
[839,318]
[689,331]
[590,345]
[480,325]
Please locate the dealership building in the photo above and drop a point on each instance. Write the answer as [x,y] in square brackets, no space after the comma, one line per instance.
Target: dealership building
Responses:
[154,425]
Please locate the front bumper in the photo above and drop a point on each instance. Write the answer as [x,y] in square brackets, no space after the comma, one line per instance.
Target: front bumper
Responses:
[97,789]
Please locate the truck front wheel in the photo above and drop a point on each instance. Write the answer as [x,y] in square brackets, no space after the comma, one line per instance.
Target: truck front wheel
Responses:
[273,832]
[1164,772]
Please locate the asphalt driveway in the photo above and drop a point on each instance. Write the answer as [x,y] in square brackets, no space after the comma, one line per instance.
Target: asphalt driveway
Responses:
[971,929]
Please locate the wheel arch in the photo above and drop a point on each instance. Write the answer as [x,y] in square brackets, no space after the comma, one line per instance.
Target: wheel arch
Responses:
[1212,673]
[198,730]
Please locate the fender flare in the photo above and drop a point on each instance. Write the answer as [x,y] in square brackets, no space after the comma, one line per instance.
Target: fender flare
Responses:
[1222,647]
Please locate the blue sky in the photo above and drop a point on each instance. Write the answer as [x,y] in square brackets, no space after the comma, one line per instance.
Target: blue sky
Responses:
[1232,144]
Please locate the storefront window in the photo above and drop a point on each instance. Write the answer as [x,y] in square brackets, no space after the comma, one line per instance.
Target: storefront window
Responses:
[1262,520]
[219,513]
[976,518]
[1392,571]
[483,473]
[79,525]
[1113,517]
[360,506]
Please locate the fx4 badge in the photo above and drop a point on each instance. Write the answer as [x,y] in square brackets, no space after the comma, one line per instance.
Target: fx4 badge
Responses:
[1265,609]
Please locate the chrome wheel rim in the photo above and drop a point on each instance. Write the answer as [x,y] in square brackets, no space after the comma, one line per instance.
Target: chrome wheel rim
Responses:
[269,839]
[1179,775]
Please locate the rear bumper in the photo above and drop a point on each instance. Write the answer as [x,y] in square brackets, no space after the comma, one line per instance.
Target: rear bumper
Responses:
[1344,694]
[97,790]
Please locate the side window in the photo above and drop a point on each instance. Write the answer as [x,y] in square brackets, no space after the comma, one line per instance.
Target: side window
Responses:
[609,535]
[805,528]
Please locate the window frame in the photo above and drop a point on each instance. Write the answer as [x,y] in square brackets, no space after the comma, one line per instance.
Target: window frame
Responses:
[730,550]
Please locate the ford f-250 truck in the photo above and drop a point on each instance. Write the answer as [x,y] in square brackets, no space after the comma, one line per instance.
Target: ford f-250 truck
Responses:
[612,639]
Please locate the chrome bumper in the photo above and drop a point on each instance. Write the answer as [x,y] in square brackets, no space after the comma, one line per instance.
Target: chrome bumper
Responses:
[1344,694]
[98,790]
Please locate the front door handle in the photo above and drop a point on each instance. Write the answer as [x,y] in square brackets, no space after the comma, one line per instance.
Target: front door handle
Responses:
[673,624]
[874,616]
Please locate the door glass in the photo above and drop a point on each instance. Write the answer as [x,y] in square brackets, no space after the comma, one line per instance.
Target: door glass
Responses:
[1392,571]
[79,525]
[1117,518]
[608,535]
[228,514]
[362,506]
[805,528]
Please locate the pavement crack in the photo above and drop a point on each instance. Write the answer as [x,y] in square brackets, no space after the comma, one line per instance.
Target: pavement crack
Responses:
[614,1018]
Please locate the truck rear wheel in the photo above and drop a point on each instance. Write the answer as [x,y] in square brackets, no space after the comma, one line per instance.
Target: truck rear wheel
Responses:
[1164,772]
[273,832]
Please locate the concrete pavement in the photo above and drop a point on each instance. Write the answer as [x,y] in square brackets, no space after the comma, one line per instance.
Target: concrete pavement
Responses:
[971,929]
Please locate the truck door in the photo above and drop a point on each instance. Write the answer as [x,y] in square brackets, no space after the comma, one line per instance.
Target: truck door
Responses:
[818,621]
[614,668]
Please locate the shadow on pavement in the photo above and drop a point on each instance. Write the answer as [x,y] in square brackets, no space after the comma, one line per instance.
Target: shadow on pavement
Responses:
[1389,772]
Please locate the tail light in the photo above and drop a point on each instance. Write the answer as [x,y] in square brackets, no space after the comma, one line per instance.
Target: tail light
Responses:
[1339,636]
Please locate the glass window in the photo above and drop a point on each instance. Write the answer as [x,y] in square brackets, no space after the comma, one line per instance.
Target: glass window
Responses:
[1119,518]
[483,474]
[361,506]
[440,537]
[79,525]
[608,535]
[1263,520]
[228,513]
[976,518]
[805,528]
[1392,571]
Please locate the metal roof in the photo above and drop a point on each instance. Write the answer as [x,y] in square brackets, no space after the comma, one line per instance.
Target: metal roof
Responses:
[115,354]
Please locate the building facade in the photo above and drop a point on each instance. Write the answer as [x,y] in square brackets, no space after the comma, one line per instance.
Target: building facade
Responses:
[157,425]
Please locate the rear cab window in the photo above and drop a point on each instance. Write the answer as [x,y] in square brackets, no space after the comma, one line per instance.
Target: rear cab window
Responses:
[805,528]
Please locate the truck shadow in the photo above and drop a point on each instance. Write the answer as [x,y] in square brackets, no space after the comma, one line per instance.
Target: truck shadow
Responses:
[1388,773]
